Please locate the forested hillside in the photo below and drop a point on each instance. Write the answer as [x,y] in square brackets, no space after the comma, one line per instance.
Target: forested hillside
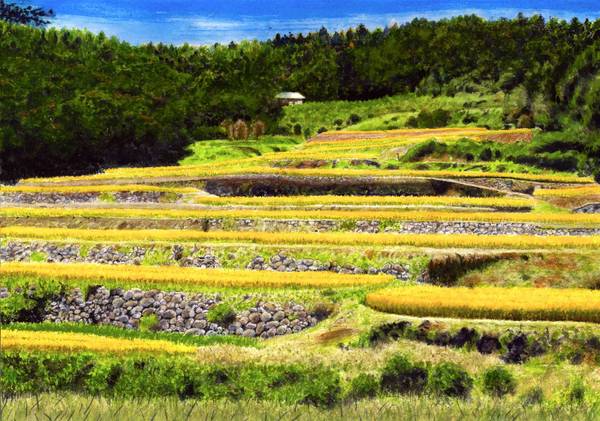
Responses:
[74,102]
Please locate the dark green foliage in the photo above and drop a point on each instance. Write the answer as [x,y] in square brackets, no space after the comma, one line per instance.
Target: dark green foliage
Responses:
[400,375]
[364,386]
[486,155]
[498,381]
[449,379]
[420,151]
[27,300]
[353,119]
[571,150]
[156,376]
[25,15]
[221,314]
[576,392]
[533,396]
[322,310]
[297,129]
[72,102]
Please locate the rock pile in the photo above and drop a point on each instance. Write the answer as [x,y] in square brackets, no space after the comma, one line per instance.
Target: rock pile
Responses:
[69,198]
[283,263]
[176,312]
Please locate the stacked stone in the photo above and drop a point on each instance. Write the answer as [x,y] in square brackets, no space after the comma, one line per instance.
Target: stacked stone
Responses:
[267,320]
[69,198]
[175,312]
[19,252]
[282,263]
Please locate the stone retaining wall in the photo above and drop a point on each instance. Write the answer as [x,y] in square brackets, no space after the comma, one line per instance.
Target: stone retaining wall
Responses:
[107,254]
[589,208]
[175,312]
[69,198]
[306,225]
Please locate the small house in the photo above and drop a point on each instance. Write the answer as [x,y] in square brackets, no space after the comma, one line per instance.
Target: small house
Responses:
[290,98]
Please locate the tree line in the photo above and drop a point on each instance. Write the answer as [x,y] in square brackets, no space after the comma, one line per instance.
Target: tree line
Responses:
[74,102]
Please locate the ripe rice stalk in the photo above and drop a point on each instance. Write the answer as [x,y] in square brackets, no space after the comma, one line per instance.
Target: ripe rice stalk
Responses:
[76,342]
[192,276]
[490,303]
[309,214]
[468,241]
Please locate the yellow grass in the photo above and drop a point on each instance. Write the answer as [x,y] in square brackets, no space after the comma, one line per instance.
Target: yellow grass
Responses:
[74,342]
[192,276]
[503,202]
[95,189]
[390,215]
[301,238]
[215,171]
[490,302]
[569,192]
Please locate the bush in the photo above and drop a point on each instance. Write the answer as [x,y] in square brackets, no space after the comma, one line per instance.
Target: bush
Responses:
[422,150]
[449,379]
[149,323]
[322,130]
[364,386]
[576,392]
[297,129]
[353,119]
[486,155]
[222,314]
[533,396]
[498,381]
[400,375]
[151,376]
[322,310]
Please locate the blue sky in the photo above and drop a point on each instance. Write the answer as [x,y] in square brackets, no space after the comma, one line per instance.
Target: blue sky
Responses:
[206,22]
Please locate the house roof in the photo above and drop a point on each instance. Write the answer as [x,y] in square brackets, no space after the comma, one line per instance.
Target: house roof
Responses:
[290,95]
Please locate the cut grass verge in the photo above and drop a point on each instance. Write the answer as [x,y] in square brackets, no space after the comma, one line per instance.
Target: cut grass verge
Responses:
[490,303]
[192,276]
[300,238]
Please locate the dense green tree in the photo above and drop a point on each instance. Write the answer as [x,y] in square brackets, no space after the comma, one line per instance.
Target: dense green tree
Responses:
[73,102]
[25,15]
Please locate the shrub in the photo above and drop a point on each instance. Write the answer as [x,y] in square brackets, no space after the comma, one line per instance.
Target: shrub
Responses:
[400,375]
[576,392]
[322,310]
[486,155]
[353,119]
[338,122]
[322,130]
[364,386]
[258,129]
[533,396]
[149,376]
[449,379]
[149,323]
[297,129]
[422,150]
[240,130]
[221,314]
[498,381]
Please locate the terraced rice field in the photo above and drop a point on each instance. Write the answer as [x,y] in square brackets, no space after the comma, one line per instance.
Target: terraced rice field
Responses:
[304,286]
